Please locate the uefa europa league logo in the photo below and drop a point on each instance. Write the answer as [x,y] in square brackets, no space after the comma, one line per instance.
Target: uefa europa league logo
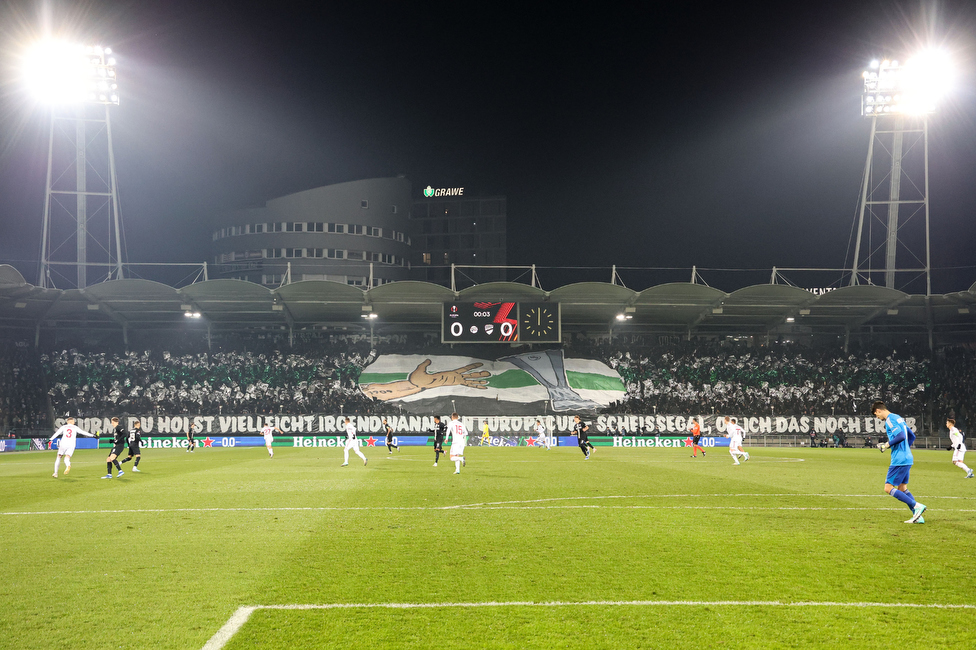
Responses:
[549,370]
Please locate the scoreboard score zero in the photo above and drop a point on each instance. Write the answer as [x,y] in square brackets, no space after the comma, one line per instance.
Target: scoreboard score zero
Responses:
[501,322]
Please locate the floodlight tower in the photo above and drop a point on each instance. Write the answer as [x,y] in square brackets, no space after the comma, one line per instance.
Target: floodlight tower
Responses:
[81,200]
[898,98]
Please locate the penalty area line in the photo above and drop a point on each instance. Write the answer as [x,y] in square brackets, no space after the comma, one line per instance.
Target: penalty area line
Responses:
[241,616]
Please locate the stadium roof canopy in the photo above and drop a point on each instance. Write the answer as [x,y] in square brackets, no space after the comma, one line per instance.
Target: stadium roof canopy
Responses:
[678,308]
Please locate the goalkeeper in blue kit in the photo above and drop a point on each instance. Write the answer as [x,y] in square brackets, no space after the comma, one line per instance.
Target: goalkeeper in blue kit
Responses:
[900,439]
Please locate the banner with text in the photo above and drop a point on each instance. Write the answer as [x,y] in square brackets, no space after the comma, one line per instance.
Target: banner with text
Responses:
[624,425]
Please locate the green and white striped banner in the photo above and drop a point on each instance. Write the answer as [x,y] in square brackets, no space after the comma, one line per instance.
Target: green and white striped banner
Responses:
[411,378]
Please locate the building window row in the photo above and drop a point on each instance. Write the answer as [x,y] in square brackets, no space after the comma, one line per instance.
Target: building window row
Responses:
[275,279]
[328,253]
[309,226]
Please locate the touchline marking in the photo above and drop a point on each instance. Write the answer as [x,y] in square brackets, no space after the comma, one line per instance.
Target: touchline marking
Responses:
[442,508]
[241,616]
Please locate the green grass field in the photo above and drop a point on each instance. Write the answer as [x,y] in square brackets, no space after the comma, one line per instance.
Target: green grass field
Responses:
[636,548]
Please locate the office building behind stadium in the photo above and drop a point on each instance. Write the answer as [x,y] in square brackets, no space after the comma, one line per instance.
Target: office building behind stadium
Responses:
[450,227]
[354,233]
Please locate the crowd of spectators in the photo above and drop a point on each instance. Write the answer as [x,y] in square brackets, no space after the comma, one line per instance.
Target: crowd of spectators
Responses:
[22,400]
[780,379]
[258,376]
[210,383]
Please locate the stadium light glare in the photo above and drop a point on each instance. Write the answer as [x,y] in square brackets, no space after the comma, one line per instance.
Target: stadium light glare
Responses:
[58,72]
[915,88]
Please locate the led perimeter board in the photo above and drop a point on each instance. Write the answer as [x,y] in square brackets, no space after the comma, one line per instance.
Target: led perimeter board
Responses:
[501,322]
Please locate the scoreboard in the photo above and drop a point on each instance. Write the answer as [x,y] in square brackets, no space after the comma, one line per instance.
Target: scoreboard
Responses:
[501,322]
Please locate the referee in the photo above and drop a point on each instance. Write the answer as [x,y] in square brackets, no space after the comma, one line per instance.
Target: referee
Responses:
[120,438]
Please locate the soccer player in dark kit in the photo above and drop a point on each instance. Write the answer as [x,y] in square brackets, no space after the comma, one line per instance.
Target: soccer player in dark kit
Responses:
[439,431]
[191,442]
[121,437]
[135,440]
[389,437]
[579,430]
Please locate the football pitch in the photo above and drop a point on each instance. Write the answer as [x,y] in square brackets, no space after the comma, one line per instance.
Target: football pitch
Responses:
[526,548]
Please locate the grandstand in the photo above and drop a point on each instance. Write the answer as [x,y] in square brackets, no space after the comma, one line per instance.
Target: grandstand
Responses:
[863,313]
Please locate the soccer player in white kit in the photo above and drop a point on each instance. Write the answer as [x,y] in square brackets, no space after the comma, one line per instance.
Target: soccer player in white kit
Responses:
[734,433]
[352,443]
[540,432]
[268,433]
[459,439]
[958,447]
[69,435]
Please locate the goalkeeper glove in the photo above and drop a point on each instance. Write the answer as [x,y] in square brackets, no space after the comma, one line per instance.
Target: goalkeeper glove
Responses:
[882,446]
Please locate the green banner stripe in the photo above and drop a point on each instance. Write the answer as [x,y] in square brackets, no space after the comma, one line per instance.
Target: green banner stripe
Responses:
[593,381]
[512,379]
[381,377]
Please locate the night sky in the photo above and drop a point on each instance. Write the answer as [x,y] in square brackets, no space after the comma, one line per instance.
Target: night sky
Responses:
[642,135]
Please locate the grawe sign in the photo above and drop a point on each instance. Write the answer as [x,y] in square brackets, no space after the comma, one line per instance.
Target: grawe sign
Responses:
[443,191]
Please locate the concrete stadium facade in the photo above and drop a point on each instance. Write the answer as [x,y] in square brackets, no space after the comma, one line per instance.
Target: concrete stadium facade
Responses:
[354,233]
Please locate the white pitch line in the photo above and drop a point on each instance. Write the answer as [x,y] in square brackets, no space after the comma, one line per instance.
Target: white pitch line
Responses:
[240,617]
[473,507]
[230,628]
[523,504]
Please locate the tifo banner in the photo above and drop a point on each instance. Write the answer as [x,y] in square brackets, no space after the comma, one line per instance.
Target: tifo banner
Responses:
[530,382]
[507,425]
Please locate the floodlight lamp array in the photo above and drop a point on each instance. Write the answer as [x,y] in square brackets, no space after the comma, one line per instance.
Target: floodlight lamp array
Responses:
[61,73]
[913,88]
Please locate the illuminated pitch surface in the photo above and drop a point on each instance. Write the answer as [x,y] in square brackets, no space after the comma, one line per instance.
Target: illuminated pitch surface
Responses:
[164,558]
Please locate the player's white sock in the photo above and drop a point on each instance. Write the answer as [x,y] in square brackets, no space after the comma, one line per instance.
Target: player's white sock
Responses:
[57,463]
[457,466]
[961,465]
[67,463]
[271,453]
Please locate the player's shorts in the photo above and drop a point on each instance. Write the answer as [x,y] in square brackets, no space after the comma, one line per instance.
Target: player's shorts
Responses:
[134,450]
[898,474]
[457,450]
[957,456]
[66,450]
[117,450]
[352,444]
[268,440]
